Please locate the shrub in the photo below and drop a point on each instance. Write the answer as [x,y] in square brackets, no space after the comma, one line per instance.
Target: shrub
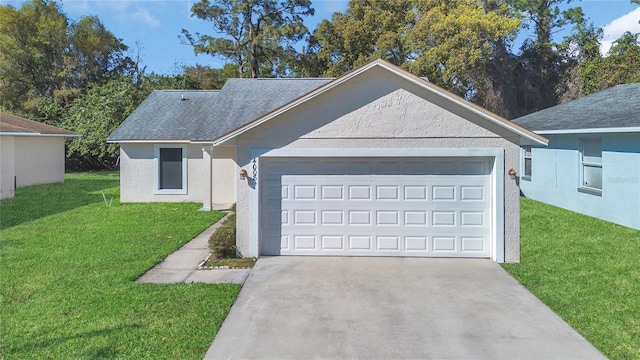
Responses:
[223,241]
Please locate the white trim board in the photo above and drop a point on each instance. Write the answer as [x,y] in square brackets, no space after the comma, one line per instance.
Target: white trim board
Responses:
[26,134]
[590,131]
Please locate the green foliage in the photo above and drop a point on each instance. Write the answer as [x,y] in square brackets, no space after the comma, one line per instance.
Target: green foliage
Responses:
[223,241]
[95,115]
[586,270]
[254,32]
[68,268]
[101,109]
[619,67]
[235,263]
[207,78]
[465,46]
[45,55]
[366,30]
[454,42]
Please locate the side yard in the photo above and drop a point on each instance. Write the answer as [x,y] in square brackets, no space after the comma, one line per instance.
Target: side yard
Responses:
[586,270]
[68,259]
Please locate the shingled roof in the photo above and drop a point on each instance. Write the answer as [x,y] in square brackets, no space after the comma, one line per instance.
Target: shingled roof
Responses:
[168,115]
[207,115]
[17,126]
[616,109]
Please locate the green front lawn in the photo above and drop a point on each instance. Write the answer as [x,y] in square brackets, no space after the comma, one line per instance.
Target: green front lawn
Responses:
[586,270]
[67,265]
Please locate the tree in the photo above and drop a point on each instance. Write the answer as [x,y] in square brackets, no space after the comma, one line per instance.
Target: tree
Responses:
[33,44]
[454,41]
[368,29]
[254,32]
[619,67]
[207,78]
[44,55]
[100,110]
[579,49]
[540,68]
[93,53]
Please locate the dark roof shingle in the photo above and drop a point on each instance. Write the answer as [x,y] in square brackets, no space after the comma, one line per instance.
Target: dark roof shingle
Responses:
[207,115]
[616,107]
[167,115]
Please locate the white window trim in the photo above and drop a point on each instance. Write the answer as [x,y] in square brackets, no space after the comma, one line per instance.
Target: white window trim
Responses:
[588,189]
[156,170]
[524,162]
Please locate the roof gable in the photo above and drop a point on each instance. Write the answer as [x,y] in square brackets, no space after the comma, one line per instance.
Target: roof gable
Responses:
[18,126]
[464,107]
[613,109]
[243,100]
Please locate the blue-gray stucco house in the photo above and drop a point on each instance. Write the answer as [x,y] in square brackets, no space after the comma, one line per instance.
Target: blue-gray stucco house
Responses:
[592,162]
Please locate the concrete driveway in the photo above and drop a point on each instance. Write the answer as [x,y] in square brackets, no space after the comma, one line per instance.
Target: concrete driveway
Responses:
[391,308]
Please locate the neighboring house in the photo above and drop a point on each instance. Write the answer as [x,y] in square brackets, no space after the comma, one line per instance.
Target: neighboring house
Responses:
[31,153]
[377,162]
[592,162]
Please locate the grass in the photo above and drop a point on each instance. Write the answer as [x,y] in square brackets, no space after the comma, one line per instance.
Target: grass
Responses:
[67,265]
[586,270]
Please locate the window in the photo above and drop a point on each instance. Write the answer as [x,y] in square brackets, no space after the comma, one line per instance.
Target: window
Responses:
[591,164]
[170,169]
[526,173]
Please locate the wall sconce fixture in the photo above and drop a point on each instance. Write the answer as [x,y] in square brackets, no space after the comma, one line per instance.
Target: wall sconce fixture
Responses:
[243,174]
[512,173]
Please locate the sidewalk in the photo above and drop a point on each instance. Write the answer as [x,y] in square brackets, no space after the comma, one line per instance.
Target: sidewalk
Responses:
[182,265]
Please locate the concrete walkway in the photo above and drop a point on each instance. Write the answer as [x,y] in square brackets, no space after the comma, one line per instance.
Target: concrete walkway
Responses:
[182,265]
[391,308]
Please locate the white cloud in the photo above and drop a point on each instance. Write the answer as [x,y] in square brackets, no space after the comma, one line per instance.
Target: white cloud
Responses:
[614,30]
[144,16]
[137,11]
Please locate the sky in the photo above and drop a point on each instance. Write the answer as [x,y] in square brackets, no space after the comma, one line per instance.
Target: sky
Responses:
[151,28]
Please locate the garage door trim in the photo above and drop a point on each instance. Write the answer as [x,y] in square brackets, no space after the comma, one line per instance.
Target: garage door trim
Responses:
[496,178]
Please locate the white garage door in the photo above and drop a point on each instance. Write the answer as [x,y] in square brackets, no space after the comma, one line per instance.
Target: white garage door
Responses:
[432,207]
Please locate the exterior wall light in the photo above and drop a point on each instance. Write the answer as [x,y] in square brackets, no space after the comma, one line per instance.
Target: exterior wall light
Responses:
[243,174]
[512,173]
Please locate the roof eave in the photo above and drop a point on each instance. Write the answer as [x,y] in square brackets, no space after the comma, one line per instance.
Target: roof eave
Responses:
[590,131]
[33,134]
[148,141]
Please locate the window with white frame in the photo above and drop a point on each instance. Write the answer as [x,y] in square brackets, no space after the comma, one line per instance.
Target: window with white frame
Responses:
[170,165]
[526,163]
[591,164]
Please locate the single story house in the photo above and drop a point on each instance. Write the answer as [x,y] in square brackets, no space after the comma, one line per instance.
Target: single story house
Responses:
[31,153]
[377,162]
[592,162]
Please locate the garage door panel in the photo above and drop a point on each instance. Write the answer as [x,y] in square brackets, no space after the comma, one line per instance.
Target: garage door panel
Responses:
[360,207]
[332,192]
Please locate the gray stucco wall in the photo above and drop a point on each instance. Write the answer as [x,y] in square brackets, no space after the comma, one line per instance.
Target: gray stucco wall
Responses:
[224,172]
[33,160]
[137,175]
[379,110]
[7,167]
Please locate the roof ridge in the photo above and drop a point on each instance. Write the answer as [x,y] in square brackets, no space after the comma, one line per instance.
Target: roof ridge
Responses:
[285,78]
[187,90]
